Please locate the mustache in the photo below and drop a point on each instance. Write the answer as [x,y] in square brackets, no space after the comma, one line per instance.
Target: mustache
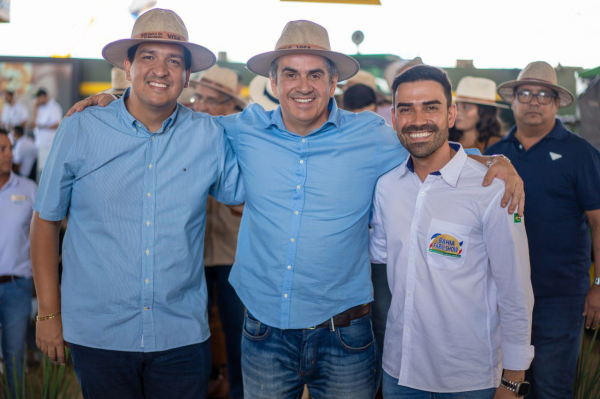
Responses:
[428,127]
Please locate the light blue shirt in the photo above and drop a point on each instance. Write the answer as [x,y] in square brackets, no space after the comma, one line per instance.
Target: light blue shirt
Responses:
[16,200]
[133,276]
[302,253]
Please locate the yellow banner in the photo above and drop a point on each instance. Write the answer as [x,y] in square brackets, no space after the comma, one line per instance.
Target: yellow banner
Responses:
[367,2]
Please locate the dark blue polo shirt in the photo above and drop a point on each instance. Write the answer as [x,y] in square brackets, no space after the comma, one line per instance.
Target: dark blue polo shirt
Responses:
[562,180]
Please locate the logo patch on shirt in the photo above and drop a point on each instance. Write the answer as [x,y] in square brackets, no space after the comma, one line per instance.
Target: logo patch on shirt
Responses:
[18,199]
[555,156]
[518,218]
[445,244]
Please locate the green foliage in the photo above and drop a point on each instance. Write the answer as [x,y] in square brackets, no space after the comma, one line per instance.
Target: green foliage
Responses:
[587,377]
[51,381]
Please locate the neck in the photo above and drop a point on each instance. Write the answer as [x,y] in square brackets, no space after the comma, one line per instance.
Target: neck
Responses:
[434,162]
[304,128]
[4,177]
[530,135]
[151,117]
[469,138]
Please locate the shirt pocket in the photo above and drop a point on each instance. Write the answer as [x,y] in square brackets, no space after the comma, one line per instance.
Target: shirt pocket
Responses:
[447,244]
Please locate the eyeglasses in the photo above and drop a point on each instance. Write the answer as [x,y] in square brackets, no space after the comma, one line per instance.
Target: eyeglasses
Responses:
[543,97]
[210,101]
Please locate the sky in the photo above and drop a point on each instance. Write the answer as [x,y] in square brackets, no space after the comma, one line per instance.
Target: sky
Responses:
[495,34]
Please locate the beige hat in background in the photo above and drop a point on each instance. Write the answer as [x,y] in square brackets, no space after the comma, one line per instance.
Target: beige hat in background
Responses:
[261,93]
[159,26]
[224,80]
[477,91]
[118,82]
[367,79]
[537,73]
[397,67]
[304,37]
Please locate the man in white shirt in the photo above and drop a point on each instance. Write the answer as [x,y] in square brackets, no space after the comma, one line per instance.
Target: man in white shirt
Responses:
[458,265]
[47,115]
[14,113]
[24,153]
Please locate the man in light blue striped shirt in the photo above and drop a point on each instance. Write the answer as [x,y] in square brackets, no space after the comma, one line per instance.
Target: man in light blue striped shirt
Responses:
[133,179]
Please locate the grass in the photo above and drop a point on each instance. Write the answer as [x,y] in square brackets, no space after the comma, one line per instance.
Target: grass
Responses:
[587,377]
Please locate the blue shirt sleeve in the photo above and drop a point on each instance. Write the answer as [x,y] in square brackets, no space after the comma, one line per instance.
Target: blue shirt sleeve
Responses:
[229,188]
[229,123]
[389,150]
[54,194]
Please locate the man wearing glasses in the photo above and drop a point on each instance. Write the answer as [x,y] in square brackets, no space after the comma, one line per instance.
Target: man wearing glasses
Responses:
[561,172]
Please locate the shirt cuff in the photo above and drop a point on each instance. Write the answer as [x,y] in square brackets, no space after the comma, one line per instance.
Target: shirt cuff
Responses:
[516,357]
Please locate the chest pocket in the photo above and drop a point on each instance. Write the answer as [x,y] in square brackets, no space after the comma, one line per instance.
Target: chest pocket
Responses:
[447,244]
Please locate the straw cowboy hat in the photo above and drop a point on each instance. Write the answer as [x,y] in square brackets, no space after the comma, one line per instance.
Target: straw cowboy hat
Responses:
[367,79]
[304,37]
[118,82]
[480,91]
[223,80]
[395,68]
[159,26]
[261,93]
[538,73]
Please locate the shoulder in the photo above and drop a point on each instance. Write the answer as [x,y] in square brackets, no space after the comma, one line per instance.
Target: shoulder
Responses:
[360,120]
[390,178]
[26,183]
[498,145]
[473,174]
[581,145]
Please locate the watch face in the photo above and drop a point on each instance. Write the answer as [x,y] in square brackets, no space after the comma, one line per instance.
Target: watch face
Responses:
[523,389]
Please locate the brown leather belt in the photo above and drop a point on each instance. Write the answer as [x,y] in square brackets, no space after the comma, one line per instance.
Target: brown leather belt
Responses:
[7,279]
[343,319]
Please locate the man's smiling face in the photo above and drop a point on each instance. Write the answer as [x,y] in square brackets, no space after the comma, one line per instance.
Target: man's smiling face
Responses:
[303,88]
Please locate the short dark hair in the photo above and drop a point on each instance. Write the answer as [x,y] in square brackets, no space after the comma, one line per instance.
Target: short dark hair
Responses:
[12,94]
[3,131]
[18,130]
[359,96]
[419,73]
[41,92]
[331,69]
[187,56]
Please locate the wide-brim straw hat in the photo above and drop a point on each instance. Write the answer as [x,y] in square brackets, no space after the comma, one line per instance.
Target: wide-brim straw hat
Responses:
[223,80]
[261,93]
[118,82]
[304,37]
[367,79]
[159,26]
[394,69]
[538,73]
[480,91]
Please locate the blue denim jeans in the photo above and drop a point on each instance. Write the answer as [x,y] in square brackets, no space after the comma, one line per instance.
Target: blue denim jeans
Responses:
[176,373]
[391,390]
[15,309]
[231,312]
[556,335]
[381,303]
[335,363]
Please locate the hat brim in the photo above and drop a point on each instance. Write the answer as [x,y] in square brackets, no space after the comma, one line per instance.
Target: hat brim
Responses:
[239,101]
[346,66]
[506,91]
[116,52]
[260,95]
[482,102]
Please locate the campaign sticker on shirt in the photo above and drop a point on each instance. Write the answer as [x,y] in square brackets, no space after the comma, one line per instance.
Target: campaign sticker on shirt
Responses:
[18,199]
[445,244]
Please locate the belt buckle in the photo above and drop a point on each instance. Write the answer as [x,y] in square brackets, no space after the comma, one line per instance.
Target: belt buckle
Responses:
[312,328]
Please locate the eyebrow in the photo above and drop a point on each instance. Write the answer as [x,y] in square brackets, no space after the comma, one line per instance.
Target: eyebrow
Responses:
[424,103]
[318,70]
[170,55]
[289,69]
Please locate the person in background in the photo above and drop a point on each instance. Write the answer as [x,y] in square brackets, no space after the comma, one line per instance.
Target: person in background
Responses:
[477,122]
[562,179]
[47,115]
[24,153]
[14,112]
[17,194]
[261,93]
[359,98]
[216,95]
[118,82]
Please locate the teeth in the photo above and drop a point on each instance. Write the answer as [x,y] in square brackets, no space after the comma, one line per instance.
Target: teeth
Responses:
[303,100]
[157,84]
[420,135]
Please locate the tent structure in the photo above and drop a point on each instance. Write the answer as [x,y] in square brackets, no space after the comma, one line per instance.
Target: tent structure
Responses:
[589,109]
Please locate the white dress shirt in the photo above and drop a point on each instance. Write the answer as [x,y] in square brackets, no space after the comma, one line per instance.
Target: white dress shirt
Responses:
[458,269]
[48,114]
[14,115]
[24,154]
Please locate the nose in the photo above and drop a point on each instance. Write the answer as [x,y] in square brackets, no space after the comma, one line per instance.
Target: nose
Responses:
[303,85]
[160,70]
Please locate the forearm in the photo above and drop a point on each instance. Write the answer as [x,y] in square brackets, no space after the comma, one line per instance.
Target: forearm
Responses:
[482,159]
[596,249]
[44,261]
[514,375]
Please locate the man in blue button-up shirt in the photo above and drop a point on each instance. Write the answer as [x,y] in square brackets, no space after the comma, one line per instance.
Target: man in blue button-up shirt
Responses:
[133,179]
[302,264]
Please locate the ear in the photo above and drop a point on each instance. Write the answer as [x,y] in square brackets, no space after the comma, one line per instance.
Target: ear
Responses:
[451,115]
[334,82]
[273,87]
[187,78]
[127,69]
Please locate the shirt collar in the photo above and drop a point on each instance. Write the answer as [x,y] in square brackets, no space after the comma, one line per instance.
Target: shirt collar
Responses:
[134,123]
[559,132]
[450,172]
[334,117]
[12,180]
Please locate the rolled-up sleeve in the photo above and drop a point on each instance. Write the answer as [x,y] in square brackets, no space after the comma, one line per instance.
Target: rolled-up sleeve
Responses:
[229,188]
[508,251]
[56,185]
[377,241]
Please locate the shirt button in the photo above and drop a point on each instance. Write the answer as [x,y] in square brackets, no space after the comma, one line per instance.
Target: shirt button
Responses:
[303,140]
[407,329]
[146,308]
[152,138]
[150,166]
[285,295]
[292,240]
[147,281]
[147,223]
[134,129]
[298,187]
[296,212]
[289,267]
[147,252]
[301,161]
[149,195]
[409,294]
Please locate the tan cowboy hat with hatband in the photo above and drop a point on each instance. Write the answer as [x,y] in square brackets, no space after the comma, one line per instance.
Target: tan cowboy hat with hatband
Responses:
[480,91]
[118,82]
[159,26]
[223,80]
[261,93]
[537,73]
[304,37]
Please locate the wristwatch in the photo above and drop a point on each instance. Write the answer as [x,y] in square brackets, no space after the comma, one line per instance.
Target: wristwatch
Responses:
[520,389]
[597,281]
[491,159]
